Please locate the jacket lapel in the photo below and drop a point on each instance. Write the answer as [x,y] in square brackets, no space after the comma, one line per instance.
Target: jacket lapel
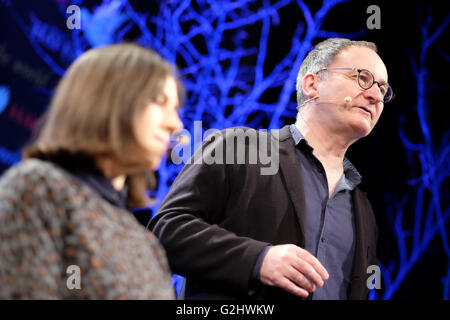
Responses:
[291,174]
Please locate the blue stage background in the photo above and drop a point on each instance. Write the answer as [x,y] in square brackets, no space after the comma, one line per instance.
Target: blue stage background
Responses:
[239,60]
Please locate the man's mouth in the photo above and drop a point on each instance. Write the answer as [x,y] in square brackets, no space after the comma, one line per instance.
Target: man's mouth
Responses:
[367,110]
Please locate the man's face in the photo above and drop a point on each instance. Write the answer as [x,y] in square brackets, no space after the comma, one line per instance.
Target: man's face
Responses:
[361,114]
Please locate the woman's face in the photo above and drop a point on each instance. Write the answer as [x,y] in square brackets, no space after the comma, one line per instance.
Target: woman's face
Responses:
[158,121]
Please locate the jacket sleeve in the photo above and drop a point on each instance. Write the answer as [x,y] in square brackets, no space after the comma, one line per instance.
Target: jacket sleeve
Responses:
[30,261]
[188,223]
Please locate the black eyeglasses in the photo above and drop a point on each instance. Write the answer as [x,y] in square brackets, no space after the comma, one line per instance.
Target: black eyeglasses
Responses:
[366,80]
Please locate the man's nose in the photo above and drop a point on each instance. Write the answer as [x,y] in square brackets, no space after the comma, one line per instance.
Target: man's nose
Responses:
[374,93]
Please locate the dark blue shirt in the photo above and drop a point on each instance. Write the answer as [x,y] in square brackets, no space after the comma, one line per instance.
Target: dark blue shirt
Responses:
[330,230]
[85,171]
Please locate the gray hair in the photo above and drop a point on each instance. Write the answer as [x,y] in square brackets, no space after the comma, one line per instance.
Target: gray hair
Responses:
[321,57]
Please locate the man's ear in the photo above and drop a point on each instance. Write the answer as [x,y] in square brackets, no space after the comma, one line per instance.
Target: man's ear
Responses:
[309,85]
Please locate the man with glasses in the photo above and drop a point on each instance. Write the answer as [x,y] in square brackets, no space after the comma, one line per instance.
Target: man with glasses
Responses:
[307,231]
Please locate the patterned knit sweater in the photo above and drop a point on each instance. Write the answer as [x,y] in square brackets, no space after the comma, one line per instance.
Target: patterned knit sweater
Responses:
[60,240]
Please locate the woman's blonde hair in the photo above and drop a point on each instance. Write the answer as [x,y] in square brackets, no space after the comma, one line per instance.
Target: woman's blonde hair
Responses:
[96,105]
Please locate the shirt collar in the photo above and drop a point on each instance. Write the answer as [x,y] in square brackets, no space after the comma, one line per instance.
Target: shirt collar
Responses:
[85,171]
[351,177]
[103,186]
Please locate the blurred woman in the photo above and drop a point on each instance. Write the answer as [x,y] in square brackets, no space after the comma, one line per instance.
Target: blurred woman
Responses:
[65,231]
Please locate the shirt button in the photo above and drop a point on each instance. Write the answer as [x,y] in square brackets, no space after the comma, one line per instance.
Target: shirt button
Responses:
[323,239]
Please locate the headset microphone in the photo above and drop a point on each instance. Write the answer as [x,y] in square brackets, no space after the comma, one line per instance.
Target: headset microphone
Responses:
[346,100]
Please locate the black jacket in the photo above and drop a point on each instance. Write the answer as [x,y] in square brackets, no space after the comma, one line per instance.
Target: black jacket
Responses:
[217,218]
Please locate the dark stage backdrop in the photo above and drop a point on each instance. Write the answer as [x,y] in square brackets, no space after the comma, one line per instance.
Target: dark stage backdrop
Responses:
[238,60]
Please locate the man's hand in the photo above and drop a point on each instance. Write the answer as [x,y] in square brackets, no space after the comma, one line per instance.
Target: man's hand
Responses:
[293,269]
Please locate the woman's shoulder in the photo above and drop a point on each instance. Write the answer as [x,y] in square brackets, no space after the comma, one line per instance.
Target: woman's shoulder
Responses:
[31,171]
[38,180]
